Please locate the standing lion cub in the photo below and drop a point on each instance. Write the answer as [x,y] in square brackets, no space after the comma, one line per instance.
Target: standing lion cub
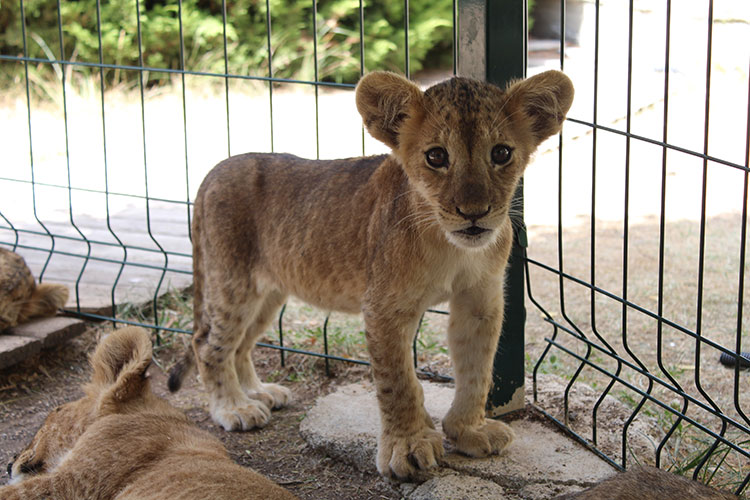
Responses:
[388,236]
[122,442]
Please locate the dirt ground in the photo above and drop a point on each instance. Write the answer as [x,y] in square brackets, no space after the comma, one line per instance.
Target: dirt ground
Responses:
[30,390]
[690,361]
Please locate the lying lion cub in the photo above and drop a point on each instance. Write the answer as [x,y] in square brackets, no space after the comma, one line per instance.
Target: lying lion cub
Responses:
[387,236]
[648,483]
[120,441]
[21,298]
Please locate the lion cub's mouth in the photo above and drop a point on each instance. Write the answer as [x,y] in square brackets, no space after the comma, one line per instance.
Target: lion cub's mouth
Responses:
[472,231]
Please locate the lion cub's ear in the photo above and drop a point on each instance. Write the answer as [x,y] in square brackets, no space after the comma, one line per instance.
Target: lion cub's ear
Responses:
[119,365]
[543,101]
[385,100]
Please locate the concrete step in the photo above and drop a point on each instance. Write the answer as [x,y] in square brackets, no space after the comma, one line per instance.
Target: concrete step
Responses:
[23,341]
[541,462]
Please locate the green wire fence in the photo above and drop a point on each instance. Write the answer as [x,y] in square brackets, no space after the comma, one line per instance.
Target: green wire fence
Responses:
[108,211]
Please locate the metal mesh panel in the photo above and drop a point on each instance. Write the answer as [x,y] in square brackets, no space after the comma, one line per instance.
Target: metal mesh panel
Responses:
[110,216]
[630,278]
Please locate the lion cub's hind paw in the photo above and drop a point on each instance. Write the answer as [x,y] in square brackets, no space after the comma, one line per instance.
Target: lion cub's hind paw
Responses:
[242,418]
[274,396]
[490,438]
[409,457]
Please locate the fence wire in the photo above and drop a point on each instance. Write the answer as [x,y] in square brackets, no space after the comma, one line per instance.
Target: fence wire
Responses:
[88,258]
[596,349]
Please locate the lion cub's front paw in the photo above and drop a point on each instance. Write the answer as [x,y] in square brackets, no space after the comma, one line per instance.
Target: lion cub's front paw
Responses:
[272,395]
[489,438]
[243,416]
[404,457]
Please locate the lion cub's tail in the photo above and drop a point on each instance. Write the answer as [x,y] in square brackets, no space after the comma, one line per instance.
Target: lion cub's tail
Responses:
[186,363]
[180,370]
[46,299]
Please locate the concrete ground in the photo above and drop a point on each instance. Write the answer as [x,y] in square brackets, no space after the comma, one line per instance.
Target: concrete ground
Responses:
[24,341]
[541,463]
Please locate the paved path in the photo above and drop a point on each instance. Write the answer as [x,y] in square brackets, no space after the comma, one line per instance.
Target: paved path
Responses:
[112,274]
[100,273]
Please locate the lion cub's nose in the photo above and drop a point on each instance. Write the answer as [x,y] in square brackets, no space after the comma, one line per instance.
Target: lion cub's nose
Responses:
[472,216]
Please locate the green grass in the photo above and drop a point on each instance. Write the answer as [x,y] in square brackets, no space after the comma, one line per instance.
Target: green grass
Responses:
[551,365]
[303,327]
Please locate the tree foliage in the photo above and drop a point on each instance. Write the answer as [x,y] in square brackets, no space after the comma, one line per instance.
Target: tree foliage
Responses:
[132,33]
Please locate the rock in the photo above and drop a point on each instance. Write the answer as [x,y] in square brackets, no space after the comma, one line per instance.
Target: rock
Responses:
[345,425]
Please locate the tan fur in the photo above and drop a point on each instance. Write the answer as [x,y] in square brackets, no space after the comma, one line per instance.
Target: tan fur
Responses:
[21,298]
[648,483]
[378,235]
[120,441]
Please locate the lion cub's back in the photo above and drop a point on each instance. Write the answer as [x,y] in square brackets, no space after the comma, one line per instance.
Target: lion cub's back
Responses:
[172,459]
[648,483]
[198,477]
[201,468]
[300,224]
[274,185]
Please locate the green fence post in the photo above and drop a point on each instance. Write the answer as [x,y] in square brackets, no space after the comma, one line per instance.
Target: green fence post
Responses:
[492,47]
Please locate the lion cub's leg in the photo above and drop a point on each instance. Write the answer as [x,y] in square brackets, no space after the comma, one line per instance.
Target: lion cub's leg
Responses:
[228,308]
[272,395]
[474,329]
[408,440]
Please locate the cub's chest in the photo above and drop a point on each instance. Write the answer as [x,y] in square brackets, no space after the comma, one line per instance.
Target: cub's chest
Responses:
[463,271]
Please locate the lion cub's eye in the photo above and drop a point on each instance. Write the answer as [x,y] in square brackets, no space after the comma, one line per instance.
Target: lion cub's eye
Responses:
[501,154]
[437,158]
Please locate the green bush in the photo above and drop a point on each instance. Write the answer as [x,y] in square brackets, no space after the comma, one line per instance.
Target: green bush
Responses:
[337,31]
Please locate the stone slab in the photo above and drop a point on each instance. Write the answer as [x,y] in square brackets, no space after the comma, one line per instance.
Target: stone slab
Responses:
[345,424]
[23,341]
[14,349]
[50,331]
[538,453]
[540,462]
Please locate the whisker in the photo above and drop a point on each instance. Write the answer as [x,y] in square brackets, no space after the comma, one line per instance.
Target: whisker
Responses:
[427,224]
[408,191]
[416,219]
[496,125]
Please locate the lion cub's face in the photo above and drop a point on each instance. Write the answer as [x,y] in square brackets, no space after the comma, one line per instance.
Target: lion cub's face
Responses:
[463,143]
[466,159]
[61,429]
